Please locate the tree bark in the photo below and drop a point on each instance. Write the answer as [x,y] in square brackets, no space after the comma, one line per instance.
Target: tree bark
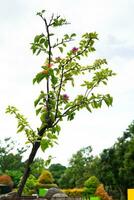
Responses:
[34,150]
[27,168]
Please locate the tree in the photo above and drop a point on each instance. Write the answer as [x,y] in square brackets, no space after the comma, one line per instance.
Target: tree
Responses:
[8,159]
[117,165]
[11,159]
[57,171]
[54,103]
[74,175]
[37,167]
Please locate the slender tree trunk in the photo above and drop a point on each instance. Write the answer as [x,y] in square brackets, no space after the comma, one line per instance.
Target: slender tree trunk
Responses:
[34,150]
[27,168]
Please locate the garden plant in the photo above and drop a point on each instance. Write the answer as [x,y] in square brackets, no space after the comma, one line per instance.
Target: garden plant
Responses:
[59,72]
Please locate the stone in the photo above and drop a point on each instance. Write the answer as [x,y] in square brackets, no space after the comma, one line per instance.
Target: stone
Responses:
[51,192]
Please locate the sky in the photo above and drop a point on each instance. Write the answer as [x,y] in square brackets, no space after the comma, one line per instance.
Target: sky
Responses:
[113,21]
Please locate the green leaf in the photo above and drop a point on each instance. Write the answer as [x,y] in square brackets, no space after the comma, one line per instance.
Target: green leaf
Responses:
[71,116]
[43,117]
[58,128]
[36,102]
[54,80]
[21,129]
[42,40]
[38,52]
[44,144]
[88,108]
[73,34]
[39,77]
[38,110]
[36,39]
[61,49]
[46,43]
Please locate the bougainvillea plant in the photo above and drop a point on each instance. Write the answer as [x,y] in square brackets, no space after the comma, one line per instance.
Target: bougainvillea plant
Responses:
[59,73]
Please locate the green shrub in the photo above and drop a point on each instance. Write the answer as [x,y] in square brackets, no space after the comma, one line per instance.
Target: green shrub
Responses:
[30,186]
[15,175]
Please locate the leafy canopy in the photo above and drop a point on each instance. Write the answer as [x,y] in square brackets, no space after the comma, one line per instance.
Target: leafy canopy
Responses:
[54,103]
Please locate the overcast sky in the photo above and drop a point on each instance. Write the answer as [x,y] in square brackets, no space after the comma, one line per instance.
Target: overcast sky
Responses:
[113,21]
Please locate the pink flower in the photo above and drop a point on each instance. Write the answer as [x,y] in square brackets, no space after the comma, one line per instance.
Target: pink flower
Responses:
[65,97]
[74,49]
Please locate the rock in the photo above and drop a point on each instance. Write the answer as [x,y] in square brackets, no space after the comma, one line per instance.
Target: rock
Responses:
[51,192]
[59,196]
[9,196]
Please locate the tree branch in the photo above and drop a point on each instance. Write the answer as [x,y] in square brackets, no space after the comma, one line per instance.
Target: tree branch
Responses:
[59,91]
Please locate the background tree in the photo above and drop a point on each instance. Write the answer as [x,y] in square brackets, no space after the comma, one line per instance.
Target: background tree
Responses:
[11,159]
[75,174]
[54,103]
[57,171]
[37,167]
[117,165]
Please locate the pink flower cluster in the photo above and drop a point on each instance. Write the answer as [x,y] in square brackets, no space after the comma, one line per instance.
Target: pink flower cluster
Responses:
[74,49]
[65,97]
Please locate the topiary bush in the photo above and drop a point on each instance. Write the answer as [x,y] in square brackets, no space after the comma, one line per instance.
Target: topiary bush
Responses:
[6,184]
[91,185]
[75,192]
[48,185]
[100,192]
[6,180]
[46,177]
[45,180]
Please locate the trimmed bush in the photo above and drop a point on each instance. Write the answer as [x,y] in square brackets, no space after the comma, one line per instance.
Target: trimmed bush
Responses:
[6,184]
[40,185]
[100,192]
[45,180]
[75,192]
[45,177]
[91,185]
[6,180]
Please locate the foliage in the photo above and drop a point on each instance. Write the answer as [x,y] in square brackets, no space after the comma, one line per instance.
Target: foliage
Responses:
[67,179]
[54,103]
[75,192]
[15,175]
[37,167]
[117,165]
[11,159]
[30,187]
[8,159]
[102,193]
[57,171]
[74,175]
[90,185]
